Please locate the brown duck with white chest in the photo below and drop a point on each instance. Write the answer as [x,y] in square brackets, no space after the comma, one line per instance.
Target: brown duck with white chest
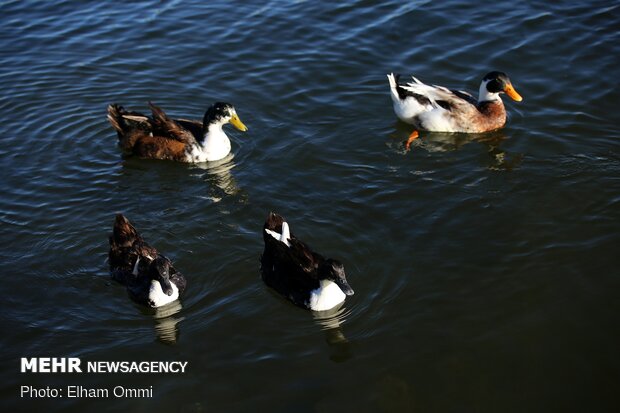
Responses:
[183,140]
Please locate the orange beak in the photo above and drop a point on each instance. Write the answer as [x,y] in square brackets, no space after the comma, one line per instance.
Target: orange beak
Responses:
[510,91]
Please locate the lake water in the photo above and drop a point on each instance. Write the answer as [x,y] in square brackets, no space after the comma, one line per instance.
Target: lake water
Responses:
[485,268]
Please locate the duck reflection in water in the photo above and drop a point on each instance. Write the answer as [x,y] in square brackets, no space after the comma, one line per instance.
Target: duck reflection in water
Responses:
[156,175]
[497,159]
[219,176]
[166,321]
[330,322]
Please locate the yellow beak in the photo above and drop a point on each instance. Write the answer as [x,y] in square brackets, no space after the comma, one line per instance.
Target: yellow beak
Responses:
[510,91]
[236,122]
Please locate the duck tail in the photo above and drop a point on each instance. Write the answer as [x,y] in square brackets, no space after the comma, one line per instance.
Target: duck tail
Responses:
[393,79]
[124,234]
[115,117]
[128,125]
[397,91]
[274,222]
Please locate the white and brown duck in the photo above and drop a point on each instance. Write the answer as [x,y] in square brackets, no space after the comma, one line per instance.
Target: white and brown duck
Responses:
[439,109]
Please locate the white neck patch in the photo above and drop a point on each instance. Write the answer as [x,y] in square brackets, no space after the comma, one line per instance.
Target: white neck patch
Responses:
[157,296]
[326,297]
[215,145]
[284,237]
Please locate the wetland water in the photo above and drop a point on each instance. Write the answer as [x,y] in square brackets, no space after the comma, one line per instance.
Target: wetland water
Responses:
[485,268]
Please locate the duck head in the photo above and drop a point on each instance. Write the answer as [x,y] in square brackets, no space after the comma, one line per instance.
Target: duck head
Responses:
[333,270]
[495,83]
[220,114]
[161,291]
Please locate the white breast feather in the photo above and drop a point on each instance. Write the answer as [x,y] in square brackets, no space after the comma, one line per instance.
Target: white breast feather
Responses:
[159,297]
[215,146]
[326,297]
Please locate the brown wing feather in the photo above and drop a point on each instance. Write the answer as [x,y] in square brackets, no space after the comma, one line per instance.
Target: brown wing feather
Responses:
[160,147]
[169,128]
[194,126]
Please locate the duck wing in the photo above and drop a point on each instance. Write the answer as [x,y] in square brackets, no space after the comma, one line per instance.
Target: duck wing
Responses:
[290,270]
[293,260]
[178,279]
[436,97]
[169,128]
[294,255]
[441,109]
[465,96]
[193,126]
[302,256]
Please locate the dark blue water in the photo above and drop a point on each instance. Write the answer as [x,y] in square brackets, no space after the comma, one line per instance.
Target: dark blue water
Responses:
[485,267]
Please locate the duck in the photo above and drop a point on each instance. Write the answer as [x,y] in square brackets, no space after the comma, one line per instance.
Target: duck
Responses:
[291,268]
[149,276]
[439,109]
[183,140]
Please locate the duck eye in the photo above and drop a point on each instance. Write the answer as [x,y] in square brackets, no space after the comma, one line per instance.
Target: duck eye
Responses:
[495,86]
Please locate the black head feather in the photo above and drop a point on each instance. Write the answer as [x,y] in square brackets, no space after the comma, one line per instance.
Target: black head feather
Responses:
[217,112]
[159,270]
[333,270]
[497,81]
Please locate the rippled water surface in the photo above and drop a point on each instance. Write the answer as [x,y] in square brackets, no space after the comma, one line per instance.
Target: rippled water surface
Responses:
[485,267]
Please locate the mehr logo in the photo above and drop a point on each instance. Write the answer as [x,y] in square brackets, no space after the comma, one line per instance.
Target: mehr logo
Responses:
[72,365]
[51,365]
